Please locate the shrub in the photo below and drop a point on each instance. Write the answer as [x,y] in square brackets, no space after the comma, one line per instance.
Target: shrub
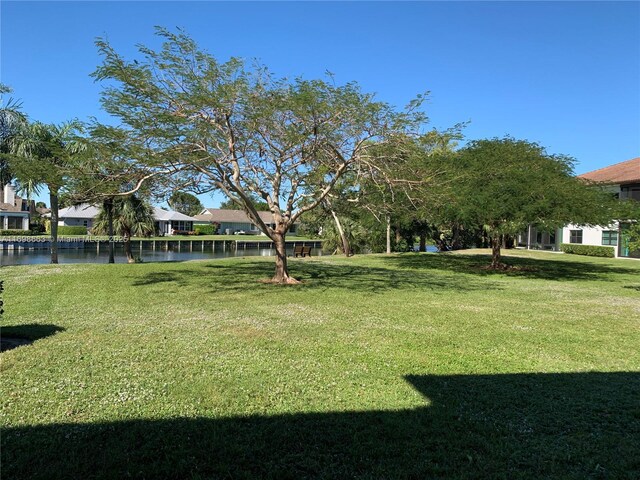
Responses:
[75,230]
[37,228]
[589,250]
[206,229]
[16,233]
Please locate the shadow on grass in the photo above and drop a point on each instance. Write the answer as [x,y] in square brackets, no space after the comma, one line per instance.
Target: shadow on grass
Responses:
[13,336]
[551,269]
[570,426]
[239,276]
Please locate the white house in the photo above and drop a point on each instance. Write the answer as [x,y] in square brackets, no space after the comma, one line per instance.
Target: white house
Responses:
[14,211]
[167,222]
[623,180]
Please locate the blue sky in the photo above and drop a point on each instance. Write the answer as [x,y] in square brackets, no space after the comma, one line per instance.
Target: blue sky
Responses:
[564,74]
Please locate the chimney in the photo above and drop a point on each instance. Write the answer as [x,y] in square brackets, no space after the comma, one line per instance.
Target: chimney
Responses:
[9,194]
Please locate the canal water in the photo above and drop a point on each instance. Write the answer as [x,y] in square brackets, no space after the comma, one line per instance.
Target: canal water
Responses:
[93,255]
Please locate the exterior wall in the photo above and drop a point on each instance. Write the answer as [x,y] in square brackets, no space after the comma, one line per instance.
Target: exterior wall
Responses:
[591,235]
[14,221]
[247,227]
[534,239]
[76,222]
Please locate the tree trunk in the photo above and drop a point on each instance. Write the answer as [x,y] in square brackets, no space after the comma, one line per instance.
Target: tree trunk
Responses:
[388,234]
[495,253]
[282,272]
[53,199]
[127,248]
[455,241]
[423,243]
[346,247]
[108,207]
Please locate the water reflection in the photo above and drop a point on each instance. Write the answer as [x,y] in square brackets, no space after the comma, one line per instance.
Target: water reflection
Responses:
[92,255]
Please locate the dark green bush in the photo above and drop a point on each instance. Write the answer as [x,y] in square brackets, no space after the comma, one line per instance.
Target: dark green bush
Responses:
[14,233]
[206,229]
[68,230]
[37,228]
[589,250]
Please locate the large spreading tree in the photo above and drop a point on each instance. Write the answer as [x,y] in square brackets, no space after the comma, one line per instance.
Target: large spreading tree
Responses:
[242,131]
[504,184]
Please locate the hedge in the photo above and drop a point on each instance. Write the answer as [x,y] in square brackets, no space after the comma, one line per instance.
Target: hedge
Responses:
[17,233]
[75,230]
[589,250]
[206,229]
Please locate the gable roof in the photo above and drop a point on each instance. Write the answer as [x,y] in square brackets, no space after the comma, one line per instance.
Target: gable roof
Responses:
[162,214]
[621,173]
[79,211]
[90,211]
[230,216]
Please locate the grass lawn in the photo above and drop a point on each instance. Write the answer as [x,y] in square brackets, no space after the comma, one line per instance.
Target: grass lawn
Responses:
[405,366]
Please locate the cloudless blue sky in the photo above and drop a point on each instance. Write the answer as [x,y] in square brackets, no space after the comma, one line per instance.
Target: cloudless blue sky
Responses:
[564,74]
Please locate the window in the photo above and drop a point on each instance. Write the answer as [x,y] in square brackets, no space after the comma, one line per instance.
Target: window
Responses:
[575,236]
[85,223]
[609,237]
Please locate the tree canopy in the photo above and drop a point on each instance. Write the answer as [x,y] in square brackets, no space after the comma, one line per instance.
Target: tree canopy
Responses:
[185,203]
[504,184]
[241,130]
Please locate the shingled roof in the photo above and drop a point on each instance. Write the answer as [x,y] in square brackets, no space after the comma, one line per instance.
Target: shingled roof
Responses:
[231,216]
[619,173]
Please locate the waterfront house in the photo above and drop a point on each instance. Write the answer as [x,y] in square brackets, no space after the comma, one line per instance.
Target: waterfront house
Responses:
[167,222]
[236,221]
[623,181]
[14,210]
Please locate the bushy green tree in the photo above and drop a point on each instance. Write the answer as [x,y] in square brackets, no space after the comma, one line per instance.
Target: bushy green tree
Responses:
[258,204]
[242,131]
[504,184]
[185,203]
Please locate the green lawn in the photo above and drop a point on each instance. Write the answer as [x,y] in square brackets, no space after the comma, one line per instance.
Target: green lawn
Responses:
[406,366]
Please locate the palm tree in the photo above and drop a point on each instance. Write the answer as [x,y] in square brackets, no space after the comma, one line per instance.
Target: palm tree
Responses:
[12,120]
[42,154]
[131,217]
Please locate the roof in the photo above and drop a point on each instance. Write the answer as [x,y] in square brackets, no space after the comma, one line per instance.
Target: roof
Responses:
[90,211]
[79,211]
[161,214]
[230,216]
[621,173]
[7,207]
[15,207]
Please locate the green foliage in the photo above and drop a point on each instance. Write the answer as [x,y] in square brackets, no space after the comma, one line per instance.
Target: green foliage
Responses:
[42,154]
[21,233]
[588,250]
[239,129]
[259,205]
[634,237]
[72,230]
[37,227]
[210,229]
[132,217]
[185,203]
